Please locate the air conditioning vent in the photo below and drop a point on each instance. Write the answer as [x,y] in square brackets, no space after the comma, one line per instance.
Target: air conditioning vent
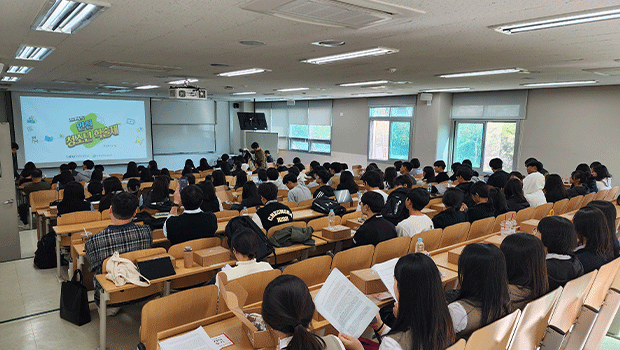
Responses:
[355,14]
[136,67]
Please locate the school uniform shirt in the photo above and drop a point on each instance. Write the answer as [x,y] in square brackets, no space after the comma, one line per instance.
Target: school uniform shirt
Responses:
[465,187]
[561,269]
[498,179]
[244,268]
[272,214]
[299,193]
[480,211]
[445,219]
[441,177]
[578,191]
[373,231]
[413,225]
[192,224]
[65,207]
[324,191]
[519,296]
[554,196]
[532,189]
[513,205]
[590,260]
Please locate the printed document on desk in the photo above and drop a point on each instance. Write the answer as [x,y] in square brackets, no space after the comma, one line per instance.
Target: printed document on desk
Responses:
[196,340]
[344,306]
[386,273]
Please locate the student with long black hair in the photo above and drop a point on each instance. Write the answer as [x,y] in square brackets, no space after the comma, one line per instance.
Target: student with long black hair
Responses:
[347,182]
[219,178]
[609,210]
[554,188]
[484,205]
[111,186]
[422,320]
[526,268]
[559,237]
[249,196]
[73,199]
[453,200]
[591,181]
[496,196]
[483,297]
[132,170]
[515,198]
[578,181]
[288,309]
[596,247]
[602,177]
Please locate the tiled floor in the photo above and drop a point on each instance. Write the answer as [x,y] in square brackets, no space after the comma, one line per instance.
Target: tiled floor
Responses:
[29,317]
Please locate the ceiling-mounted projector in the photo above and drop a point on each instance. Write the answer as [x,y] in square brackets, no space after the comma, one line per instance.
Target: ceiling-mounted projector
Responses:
[187,93]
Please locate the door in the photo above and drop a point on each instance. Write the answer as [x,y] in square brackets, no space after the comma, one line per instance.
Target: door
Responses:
[9,233]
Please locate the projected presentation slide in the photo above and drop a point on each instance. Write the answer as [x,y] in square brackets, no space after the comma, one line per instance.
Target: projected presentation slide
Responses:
[61,130]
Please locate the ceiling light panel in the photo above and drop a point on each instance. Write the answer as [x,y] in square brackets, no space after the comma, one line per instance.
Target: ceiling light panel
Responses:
[378,51]
[32,53]
[365,83]
[183,81]
[10,79]
[146,87]
[458,89]
[293,89]
[561,83]
[64,16]
[589,16]
[19,69]
[242,72]
[244,93]
[481,73]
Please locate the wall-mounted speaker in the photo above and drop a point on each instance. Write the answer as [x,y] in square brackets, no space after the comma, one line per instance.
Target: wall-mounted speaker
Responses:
[236,105]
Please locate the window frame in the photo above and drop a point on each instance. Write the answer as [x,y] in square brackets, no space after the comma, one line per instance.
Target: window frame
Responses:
[310,141]
[390,119]
[484,123]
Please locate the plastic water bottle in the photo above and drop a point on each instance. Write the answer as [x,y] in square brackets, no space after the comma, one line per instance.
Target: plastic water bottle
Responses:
[419,246]
[331,218]
[244,211]
[429,188]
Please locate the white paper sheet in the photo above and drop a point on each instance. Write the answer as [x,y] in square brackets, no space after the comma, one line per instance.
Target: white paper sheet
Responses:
[386,273]
[194,340]
[344,306]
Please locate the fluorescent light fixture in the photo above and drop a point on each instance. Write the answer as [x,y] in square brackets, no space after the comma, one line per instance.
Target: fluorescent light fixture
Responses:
[64,16]
[146,87]
[378,51]
[242,72]
[183,81]
[32,53]
[18,69]
[292,89]
[561,83]
[486,72]
[448,89]
[364,83]
[10,79]
[244,93]
[601,14]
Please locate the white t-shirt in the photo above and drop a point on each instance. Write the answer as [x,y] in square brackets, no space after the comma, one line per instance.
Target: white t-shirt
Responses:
[413,225]
[245,268]
[458,315]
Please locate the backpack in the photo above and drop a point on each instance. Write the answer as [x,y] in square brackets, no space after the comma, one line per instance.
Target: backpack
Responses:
[45,256]
[395,209]
[265,248]
[325,204]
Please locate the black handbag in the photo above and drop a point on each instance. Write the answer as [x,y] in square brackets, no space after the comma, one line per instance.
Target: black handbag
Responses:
[74,300]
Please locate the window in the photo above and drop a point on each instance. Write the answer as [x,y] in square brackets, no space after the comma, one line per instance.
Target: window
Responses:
[481,141]
[390,132]
[310,138]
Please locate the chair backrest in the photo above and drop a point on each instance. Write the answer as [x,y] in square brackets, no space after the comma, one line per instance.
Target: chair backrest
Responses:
[292,204]
[612,193]
[118,176]
[349,216]
[105,215]
[431,239]
[559,207]
[136,254]
[534,321]
[390,249]
[600,195]
[587,199]
[285,225]
[604,278]
[571,300]
[433,201]
[353,259]
[226,214]
[480,227]
[283,193]
[197,244]
[318,224]
[459,345]
[254,284]
[573,204]
[42,199]
[454,234]
[307,202]
[498,220]
[175,310]
[494,336]
[78,217]
[524,214]
[313,271]
[542,211]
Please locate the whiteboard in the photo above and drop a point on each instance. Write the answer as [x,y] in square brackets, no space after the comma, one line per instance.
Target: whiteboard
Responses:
[266,141]
[175,139]
[182,112]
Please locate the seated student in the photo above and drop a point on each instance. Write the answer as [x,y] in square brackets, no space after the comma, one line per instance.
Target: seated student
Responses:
[296,193]
[417,222]
[423,320]
[133,187]
[36,184]
[415,162]
[121,236]
[483,296]
[516,175]
[193,223]
[145,175]
[440,170]
[190,164]
[526,268]
[554,188]
[397,165]
[590,181]
[165,172]
[237,169]
[533,185]
[596,247]
[484,206]
[95,188]
[578,187]
[515,198]
[454,167]
[322,178]
[499,177]
[375,229]
[388,178]
[541,169]
[497,198]
[272,213]
[249,196]
[406,169]
[287,309]
[609,210]
[467,163]
[73,199]
[463,183]
[63,177]
[219,179]
[210,202]
[335,168]
[428,175]
[132,170]
[558,236]
[273,176]
[111,186]
[453,200]
[268,157]
[203,164]
[153,168]
[157,194]
[262,175]
[372,182]
[88,166]
[395,209]
[244,245]
[96,176]
[242,178]
[602,177]
[280,165]
[347,182]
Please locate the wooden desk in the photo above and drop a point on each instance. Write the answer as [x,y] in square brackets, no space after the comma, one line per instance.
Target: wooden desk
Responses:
[441,260]
[306,215]
[67,230]
[338,242]
[296,251]
[497,240]
[430,212]
[439,207]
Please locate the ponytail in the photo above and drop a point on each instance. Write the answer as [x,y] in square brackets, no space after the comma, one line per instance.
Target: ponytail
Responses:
[305,340]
